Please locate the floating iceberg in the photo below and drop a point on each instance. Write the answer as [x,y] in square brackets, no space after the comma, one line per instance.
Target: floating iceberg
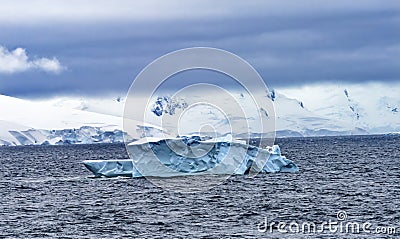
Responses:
[192,156]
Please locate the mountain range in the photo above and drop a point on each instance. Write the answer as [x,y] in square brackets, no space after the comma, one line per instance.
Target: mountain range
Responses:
[72,120]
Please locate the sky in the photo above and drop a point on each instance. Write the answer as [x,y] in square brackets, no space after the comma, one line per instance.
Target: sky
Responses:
[50,48]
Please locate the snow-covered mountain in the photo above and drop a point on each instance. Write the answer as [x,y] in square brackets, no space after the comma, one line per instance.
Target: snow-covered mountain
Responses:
[25,122]
[321,110]
[293,118]
[372,107]
[312,111]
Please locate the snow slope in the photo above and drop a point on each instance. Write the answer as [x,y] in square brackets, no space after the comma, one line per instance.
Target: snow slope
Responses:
[108,104]
[294,119]
[373,107]
[39,116]
[24,122]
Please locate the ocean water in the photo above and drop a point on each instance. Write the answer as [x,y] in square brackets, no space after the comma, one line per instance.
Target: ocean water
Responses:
[45,192]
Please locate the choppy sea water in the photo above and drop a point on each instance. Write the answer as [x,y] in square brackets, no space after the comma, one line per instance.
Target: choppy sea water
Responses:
[45,192]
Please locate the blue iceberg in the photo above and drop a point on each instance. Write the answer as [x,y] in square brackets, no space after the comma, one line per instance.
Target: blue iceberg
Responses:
[193,155]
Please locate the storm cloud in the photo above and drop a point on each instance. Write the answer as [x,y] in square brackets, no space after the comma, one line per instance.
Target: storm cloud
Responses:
[105,45]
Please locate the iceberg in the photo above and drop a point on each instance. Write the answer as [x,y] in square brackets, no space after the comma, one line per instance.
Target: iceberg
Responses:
[193,155]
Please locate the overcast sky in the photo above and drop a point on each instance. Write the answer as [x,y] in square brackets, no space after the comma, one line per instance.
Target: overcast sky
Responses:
[83,47]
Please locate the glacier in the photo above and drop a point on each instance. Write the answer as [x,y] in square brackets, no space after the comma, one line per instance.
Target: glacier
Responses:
[82,135]
[194,155]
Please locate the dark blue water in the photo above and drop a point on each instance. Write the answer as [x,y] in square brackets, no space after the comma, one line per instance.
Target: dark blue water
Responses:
[45,192]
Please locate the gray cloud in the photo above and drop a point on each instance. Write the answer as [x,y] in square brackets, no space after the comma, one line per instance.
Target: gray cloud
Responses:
[155,10]
[288,42]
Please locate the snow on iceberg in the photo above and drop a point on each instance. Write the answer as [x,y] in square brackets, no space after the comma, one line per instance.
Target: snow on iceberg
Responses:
[192,156]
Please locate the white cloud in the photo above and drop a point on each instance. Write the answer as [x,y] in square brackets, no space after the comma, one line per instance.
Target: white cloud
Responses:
[18,61]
